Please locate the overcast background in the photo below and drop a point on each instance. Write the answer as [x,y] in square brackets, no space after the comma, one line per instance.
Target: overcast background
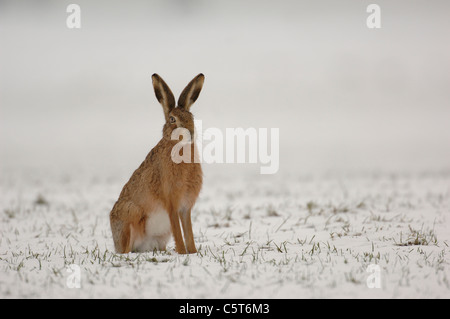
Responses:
[345,97]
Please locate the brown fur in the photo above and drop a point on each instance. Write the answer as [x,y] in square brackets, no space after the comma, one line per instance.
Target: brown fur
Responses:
[159,182]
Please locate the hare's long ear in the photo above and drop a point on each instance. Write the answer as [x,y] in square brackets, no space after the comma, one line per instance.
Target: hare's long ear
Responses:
[191,92]
[163,94]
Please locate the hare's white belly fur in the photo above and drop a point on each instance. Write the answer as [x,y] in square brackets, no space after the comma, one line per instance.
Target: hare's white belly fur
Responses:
[157,232]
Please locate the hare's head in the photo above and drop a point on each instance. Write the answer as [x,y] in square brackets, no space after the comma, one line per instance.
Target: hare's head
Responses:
[177,116]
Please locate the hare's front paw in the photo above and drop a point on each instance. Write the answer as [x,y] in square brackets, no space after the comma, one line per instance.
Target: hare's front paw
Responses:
[194,251]
[181,250]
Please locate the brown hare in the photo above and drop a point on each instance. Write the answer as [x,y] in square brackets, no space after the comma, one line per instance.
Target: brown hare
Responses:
[161,192]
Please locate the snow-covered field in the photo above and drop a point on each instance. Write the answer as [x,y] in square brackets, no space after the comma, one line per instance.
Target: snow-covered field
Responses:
[367,105]
[283,236]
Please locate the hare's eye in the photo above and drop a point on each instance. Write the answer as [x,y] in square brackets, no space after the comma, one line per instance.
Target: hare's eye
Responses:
[172,119]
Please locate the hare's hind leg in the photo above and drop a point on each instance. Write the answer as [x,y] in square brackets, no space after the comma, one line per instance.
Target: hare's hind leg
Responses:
[122,220]
[121,232]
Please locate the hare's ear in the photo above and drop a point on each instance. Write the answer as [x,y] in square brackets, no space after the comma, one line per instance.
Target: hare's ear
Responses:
[191,92]
[163,94]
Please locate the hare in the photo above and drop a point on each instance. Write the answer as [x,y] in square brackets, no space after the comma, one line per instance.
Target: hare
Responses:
[161,192]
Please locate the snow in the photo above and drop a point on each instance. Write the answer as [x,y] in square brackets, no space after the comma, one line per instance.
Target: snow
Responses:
[284,236]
